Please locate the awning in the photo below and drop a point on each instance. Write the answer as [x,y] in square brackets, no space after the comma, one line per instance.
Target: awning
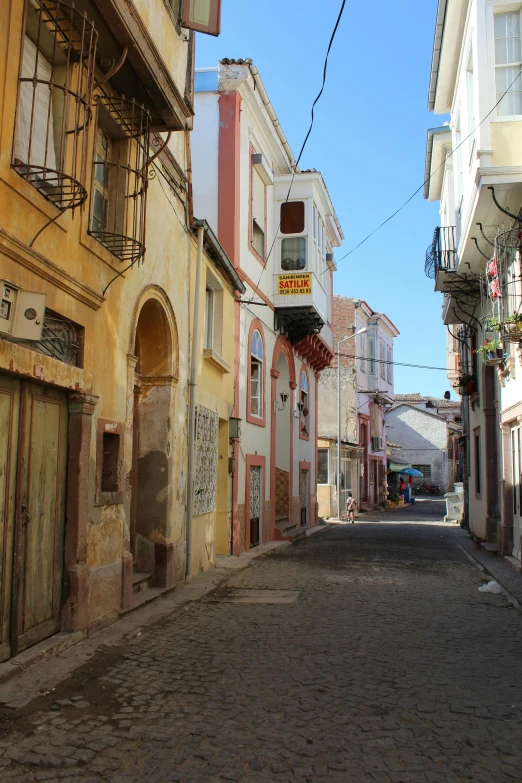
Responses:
[396,467]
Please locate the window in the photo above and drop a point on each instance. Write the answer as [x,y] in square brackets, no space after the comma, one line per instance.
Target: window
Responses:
[476,440]
[205,481]
[100,195]
[202,15]
[35,126]
[258,213]
[322,466]
[304,403]
[363,354]
[54,101]
[209,311]
[293,254]
[256,375]
[458,419]
[508,62]
[292,217]
[111,448]
[382,359]
[389,372]
[213,313]
[120,175]
[470,88]
[371,356]
[424,469]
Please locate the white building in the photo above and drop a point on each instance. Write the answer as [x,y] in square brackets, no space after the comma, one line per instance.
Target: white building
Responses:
[426,442]
[278,226]
[475,169]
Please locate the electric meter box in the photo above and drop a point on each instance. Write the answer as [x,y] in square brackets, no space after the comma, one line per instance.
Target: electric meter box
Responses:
[21,312]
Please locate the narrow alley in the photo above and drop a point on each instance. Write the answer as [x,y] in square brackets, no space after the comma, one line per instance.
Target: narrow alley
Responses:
[377,659]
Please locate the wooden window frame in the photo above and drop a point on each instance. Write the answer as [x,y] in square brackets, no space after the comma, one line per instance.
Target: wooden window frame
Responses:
[214,25]
[260,258]
[102,497]
[259,421]
[304,435]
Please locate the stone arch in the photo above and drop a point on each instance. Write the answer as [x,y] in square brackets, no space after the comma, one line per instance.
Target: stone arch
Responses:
[154,332]
[155,351]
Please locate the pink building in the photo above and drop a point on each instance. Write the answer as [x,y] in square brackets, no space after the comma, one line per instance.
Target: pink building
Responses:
[278,226]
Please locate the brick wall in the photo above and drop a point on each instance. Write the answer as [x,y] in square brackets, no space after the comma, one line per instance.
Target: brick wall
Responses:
[343,314]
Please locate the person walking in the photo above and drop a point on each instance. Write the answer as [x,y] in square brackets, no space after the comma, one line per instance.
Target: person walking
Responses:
[350,507]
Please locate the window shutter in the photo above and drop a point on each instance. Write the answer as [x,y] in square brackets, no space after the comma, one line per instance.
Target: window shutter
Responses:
[258,200]
[202,15]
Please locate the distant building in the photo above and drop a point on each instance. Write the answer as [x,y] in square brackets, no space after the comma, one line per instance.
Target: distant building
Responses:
[366,387]
[427,443]
[448,409]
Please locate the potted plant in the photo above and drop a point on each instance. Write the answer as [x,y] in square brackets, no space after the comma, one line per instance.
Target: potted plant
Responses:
[513,327]
[492,324]
[491,352]
[468,384]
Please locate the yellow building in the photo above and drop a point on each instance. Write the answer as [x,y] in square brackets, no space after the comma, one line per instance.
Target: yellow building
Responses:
[98,268]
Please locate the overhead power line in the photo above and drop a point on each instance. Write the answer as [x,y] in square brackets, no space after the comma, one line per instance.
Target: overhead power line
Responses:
[399,364]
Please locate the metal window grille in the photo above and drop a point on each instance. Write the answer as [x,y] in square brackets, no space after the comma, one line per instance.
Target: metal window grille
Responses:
[54,101]
[120,177]
[61,339]
[424,469]
[205,485]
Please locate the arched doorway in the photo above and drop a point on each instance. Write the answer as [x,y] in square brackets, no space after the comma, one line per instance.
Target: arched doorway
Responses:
[155,354]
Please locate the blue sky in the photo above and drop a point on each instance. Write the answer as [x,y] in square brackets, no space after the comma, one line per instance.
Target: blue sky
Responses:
[369,141]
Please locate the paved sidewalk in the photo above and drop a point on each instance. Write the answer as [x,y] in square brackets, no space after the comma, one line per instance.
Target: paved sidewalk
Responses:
[379,662]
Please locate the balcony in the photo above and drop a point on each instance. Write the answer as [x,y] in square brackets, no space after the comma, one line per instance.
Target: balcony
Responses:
[300,304]
[441,257]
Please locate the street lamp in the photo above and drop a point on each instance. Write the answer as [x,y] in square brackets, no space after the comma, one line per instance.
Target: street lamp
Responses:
[365,329]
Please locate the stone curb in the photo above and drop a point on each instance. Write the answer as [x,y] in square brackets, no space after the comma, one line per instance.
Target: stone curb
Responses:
[481,567]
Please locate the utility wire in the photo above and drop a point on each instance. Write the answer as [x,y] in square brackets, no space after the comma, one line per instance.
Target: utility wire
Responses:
[375,230]
[399,364]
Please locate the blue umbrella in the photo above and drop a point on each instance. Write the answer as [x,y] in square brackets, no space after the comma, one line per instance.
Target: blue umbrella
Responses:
[411,472]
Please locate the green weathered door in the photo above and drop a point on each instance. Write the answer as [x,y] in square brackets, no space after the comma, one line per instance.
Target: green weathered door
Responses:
[32,544]
[9,426]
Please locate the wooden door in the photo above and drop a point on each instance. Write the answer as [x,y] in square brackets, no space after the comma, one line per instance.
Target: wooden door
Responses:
[9,425]
[40,525]
[32,512]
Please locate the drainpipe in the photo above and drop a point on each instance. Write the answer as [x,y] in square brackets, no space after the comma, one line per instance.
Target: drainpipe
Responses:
[192,399]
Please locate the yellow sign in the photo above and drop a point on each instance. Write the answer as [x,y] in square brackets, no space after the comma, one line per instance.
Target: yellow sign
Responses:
[294,285]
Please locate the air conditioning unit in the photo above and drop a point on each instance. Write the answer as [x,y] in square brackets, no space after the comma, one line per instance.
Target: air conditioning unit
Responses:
[377,444]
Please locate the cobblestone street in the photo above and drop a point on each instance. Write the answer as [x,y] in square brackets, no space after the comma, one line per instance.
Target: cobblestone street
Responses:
[389,667]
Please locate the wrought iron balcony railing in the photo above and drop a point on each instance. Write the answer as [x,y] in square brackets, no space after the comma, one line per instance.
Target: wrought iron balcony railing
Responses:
[441,255]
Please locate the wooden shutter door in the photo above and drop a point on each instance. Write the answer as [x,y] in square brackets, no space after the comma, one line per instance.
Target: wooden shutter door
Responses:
[40,526]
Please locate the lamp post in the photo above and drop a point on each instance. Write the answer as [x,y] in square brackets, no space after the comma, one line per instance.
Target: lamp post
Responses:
[365,329]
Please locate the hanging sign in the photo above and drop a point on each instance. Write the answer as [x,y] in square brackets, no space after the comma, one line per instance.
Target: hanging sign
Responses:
[294,285]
